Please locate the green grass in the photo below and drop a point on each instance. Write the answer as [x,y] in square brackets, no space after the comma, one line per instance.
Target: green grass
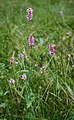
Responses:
[46,96]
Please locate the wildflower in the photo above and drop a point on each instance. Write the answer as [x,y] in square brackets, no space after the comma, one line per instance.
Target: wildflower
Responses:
[44,68]
[31,40]
[24,76]
[12,60]
[36,65]
[20,55]
[51,49]
[11,81]
[16,63]
[69,56]
[29,14]
[61,13]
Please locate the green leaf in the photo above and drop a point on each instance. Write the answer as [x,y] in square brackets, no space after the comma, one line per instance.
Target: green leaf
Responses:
[70,91]
[57,85]
[1,93]
[29,103]
[22,71]
[2,105]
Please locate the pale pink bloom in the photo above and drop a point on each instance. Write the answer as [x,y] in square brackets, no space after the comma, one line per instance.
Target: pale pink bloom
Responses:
[12,60]
[31,40]
[24,76]
[51,49]
[11,81]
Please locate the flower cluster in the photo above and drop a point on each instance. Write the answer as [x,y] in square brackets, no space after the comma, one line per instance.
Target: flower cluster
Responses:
[31,43]
[51,49]
[29,14]
[23,77]
[31,40]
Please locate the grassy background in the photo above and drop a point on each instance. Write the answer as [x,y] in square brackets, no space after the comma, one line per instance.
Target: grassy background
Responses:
[46,96]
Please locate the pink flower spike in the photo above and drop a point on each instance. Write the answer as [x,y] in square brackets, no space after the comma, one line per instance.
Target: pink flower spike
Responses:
[24,76]
[11,81]
[31,40]
[29,15]
[51,49]
[12,60]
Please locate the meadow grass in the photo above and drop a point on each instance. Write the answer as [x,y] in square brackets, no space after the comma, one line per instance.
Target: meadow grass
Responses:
[48,91]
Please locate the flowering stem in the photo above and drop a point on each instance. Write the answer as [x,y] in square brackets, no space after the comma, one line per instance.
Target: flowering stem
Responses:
[19,93]
[48,11]
[65,23]
[28,27]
